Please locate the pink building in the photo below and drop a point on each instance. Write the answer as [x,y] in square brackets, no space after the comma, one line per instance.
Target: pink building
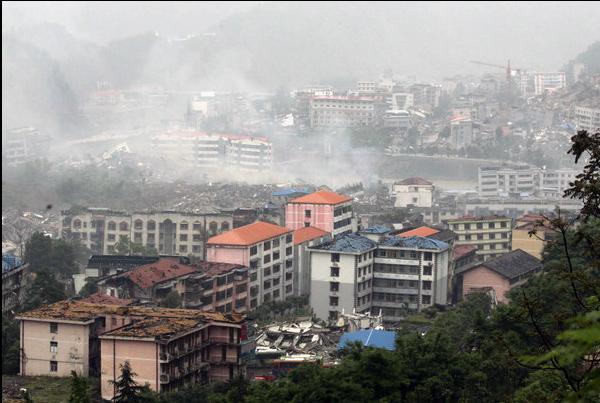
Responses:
[498,276]
[267,250]
[325,210]
[166,348]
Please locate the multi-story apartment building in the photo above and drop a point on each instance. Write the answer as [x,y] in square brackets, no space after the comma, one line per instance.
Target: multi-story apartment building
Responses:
[23,144]
[248,153]
[169,232]
[108,265]
[463,132]
[166,348]
[516,207]
[13,271]
[402,101]
[491,235]
[216,151]
[267,250]
[325,210]
[341,276]
[532,244]
[223,287]
[587,118]
[548,81]
[426,96]
[497,181]
[302,99]
[413,191]
[397,119]
[344,111]
[366,86]
[304,238]
[409,273]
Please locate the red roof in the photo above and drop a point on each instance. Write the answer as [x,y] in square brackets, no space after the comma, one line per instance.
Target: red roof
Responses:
[308,234]
[463,250]
[414,181]
[321,197]
[533,218]
[421,231]
[248,234]
[164,269]
[217,268]
[105,299]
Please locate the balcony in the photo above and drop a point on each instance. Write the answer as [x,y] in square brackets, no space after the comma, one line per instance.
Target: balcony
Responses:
[410,291]
[165,378]
[395,276]
[388,260]
[218,360]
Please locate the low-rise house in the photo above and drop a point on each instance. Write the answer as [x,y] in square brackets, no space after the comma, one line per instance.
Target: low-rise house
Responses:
[166,348]
[108,265]
[341,275]
[498,275]
[303,239]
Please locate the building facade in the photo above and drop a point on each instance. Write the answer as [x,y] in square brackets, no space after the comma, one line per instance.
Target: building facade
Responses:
[343,111]
[13,273]
[267,250]
[341,276]
[23,144]
[325,210]
[409,273]
[548,81]
[168,232]
[495,181]
[413,191]
[491,235]
[304,238]
[587,118]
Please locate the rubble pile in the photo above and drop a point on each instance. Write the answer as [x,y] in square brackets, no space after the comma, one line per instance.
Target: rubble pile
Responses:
[297,338]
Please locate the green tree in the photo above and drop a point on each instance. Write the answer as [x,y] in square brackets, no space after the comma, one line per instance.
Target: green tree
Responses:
[90,287]
[45,289]
[79,389]
[58,256]
[123,246]
[172,300]
[10,345]
[126,389]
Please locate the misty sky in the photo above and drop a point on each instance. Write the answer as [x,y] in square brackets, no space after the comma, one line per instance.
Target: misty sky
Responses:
[534,35]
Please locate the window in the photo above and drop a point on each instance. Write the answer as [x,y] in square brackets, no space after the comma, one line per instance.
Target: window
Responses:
[479,236]
[183,226]
[276,268]
[333,315]
[253,250]
[333,301]
[151,225]
[334,287]
[503,224]
[276,243]
[289,263]
[138,224]
[288,288]
[275,255]
[307,213]
[183,248]
[151,238]
[288,251]
[267,284]
[225,226]
[196,238]
[221,295]
[253,277]
[427,285]
[427,271]
[288,238]
[111,237]
[112,226]
[113,321]
[479,225]
[504,235]
[288,276]
[267,245]
[196,249]
[53,366]
[267,271]
[222,280]
[275,294]
[427,256]
[53,327]
[382,253]
[335,257]
[123,226]
[492,236]
[335,272]
[183,237]
[266,258]
[426,299]
[53,346]
[196,226]
[213,227]
[275,282]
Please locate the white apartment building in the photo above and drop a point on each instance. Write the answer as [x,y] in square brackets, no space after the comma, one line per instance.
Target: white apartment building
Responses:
[341,273]
[342,111]
[367,86]
[249,153]
[549,81]
[170,233]
[463,131]
[413,191]
[216,151]
[304,238]
[23,144]
[402,101]
[491,235]
[268,252]
[426,96]
[397,119]
[587,118]
[409,273]
[526,180]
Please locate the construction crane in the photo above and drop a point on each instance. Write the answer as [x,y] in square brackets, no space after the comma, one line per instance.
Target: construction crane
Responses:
[509,70]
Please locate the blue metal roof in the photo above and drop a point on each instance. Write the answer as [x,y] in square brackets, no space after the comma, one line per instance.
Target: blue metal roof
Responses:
[414,242]
[370,338]
[377,229]
[10,262]
[352,243]
[290,192]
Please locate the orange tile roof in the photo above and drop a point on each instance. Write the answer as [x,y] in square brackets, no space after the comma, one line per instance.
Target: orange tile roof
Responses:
[248,234]
[322,197]
[164,269]
[421,231]
[105,299]
[307,234]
